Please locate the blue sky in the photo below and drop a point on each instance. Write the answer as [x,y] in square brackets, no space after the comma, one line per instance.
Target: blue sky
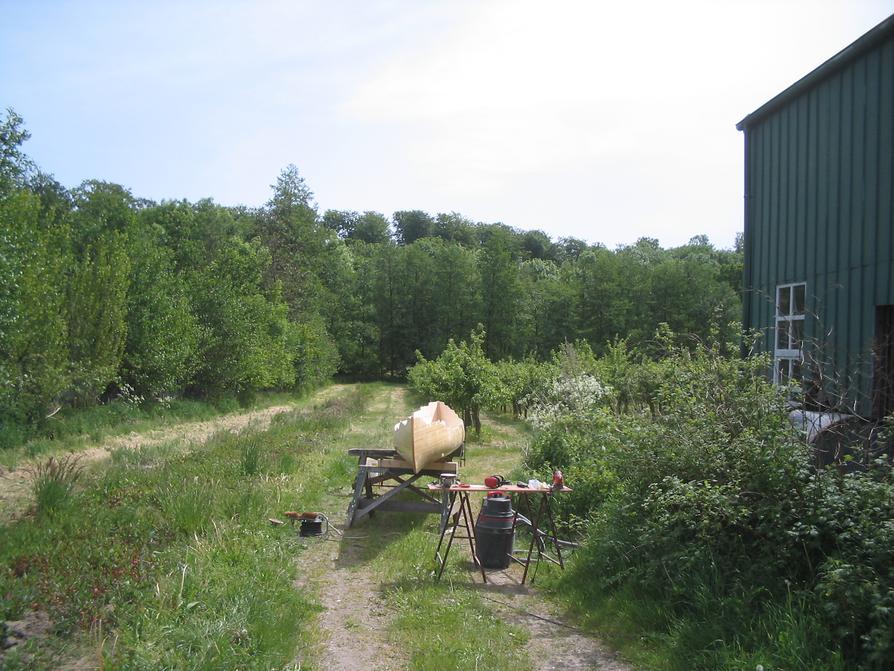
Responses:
[603,121]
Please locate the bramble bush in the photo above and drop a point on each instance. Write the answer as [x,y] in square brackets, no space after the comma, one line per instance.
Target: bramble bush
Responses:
[711,513]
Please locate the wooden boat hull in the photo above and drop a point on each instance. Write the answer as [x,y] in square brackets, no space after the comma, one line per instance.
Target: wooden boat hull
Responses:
[430,434]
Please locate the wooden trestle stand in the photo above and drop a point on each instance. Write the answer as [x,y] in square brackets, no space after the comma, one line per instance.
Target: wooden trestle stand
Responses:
[382,475]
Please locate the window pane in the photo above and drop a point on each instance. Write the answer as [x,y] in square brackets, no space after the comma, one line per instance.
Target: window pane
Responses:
[782,334]
[784,301]
[797,333]
[782,371]
[798,299]
[796,370]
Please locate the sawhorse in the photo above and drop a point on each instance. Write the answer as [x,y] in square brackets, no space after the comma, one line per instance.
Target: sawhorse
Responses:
[383,468]
[541,521]
[450,518]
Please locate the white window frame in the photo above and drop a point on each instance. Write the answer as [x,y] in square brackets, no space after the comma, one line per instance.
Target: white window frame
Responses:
[788,354]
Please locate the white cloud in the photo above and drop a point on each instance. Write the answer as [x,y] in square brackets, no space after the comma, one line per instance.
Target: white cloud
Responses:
[597,93]
[603,120]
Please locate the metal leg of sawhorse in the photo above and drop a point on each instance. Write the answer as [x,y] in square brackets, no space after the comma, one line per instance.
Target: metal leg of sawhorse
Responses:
[450,522]
[537,536]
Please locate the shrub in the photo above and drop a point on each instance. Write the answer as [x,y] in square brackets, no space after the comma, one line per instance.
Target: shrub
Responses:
[711,511]
[460,377]
[513,383]
[576,396]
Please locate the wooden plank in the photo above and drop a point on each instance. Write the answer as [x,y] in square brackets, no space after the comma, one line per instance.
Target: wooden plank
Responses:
[358,489]
[424,495]
[386,496]
[439,467]
[371,452]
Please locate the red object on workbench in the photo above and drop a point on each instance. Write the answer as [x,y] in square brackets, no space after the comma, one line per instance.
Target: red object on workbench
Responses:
[511,489]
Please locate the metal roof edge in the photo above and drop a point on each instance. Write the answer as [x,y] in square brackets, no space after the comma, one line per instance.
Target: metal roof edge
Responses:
[863,44]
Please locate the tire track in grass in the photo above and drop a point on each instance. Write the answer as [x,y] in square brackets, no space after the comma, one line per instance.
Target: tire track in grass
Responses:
[354,622]
[364,579]
[15,484]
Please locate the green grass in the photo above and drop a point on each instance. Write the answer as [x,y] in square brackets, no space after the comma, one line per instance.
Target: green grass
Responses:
[441,625]
[163,556]
[54,481]
[166,558]
[444,626]
[716,632]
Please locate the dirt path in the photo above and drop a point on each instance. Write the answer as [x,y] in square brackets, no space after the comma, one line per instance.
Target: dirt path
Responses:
[15,485]
[554,644]
[354,621]
[354,624]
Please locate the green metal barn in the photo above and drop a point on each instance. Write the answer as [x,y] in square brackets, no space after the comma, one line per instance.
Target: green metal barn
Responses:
[819,245]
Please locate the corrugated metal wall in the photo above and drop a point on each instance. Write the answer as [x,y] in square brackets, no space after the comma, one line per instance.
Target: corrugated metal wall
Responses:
[819,184]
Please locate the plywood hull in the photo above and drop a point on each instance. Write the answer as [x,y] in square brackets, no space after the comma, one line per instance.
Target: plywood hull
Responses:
[430,434]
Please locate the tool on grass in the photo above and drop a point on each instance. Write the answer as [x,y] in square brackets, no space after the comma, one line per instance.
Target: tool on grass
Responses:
[311,523]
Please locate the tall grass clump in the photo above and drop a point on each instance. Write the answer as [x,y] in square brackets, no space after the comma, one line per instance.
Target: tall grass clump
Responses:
[54,481]
[250,458]
[702,507]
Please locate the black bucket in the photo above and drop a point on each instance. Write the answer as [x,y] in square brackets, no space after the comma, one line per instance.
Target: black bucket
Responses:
[312,527]
[494,532]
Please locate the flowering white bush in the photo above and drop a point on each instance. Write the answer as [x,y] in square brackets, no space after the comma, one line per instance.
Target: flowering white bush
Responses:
[576,395]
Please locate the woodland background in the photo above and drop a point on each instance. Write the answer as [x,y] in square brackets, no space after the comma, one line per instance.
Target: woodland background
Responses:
[104,294]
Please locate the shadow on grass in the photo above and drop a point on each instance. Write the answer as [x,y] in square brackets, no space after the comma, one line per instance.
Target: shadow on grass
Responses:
[380,534]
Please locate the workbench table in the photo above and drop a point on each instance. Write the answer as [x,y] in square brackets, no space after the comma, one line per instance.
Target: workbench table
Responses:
[456,512]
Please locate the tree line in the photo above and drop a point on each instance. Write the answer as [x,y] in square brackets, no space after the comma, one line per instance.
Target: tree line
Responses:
[103,293]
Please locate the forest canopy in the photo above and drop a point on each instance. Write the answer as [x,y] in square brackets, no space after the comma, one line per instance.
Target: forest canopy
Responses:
[104,293]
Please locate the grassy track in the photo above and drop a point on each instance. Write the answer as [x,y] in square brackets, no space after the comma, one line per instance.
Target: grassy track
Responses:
[162,557]
[76,429]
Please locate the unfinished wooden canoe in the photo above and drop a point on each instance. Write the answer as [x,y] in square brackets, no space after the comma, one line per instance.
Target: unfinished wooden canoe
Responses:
[428,435]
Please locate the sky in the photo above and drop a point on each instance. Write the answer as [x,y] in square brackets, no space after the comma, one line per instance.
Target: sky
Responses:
[605,121]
